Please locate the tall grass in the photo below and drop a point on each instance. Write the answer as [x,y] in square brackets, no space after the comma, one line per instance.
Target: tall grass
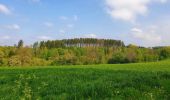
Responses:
[142,81]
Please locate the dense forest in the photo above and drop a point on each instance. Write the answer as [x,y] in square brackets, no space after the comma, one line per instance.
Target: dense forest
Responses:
[79,51]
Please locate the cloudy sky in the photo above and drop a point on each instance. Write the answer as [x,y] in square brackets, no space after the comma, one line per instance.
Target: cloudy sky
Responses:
[140,22]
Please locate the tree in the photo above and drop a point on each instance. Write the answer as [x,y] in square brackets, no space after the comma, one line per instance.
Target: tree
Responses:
[20,43]
[1,57]
[165,53]
[118,57]
[131,55]
[24,55]
[14,61]
[35,48]
[79,51]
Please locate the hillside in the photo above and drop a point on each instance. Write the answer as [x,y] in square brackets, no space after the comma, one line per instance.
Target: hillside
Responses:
[83,51]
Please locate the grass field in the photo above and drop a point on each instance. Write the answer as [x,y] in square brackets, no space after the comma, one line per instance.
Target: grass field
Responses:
[143,81]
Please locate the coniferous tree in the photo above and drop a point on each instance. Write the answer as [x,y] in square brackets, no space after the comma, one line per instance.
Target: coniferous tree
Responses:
[20,43]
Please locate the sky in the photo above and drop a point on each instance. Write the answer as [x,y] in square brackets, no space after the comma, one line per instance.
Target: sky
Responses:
[140,22]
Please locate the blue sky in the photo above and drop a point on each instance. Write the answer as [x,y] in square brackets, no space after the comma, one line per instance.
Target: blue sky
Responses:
[140,22]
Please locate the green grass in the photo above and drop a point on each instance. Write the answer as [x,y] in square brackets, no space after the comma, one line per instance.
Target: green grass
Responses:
[143,81]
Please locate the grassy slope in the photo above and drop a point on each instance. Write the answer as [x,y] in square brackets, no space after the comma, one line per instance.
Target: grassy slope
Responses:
[129,81]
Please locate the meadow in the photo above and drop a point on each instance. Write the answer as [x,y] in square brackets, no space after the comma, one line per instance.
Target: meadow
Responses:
[141,81]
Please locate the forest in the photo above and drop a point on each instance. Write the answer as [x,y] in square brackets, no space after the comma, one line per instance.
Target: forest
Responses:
[79,51]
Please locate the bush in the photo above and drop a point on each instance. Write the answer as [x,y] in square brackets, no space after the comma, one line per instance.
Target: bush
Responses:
[40,62]
[14,61]
[118,57]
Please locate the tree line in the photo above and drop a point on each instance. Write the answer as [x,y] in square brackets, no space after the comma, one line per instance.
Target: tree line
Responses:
[80,42]
[81,51]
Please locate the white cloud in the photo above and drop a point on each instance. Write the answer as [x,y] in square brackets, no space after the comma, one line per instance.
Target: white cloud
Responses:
[70,25]
[44,37]
[4,9]
[163,28]
[136,30]
[48,24]
[66,28]
[5,37]
[75,17]
[128,10]
[72,18]
[90,35]
[62,31]
[147,37]
[163,1]
[13,27]
[63,18]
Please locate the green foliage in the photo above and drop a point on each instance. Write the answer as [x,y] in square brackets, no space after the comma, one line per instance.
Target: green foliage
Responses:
[118,57]
[39,62]
[20,43]
[144,81]
[79,52]
[81,42]
[25,56]
[14,61]
[165,53]
[22,57]
[1,57]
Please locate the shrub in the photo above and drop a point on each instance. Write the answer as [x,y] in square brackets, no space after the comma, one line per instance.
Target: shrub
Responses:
[14,61]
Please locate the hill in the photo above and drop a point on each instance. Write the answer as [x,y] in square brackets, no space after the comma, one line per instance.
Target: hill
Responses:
[83,51]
